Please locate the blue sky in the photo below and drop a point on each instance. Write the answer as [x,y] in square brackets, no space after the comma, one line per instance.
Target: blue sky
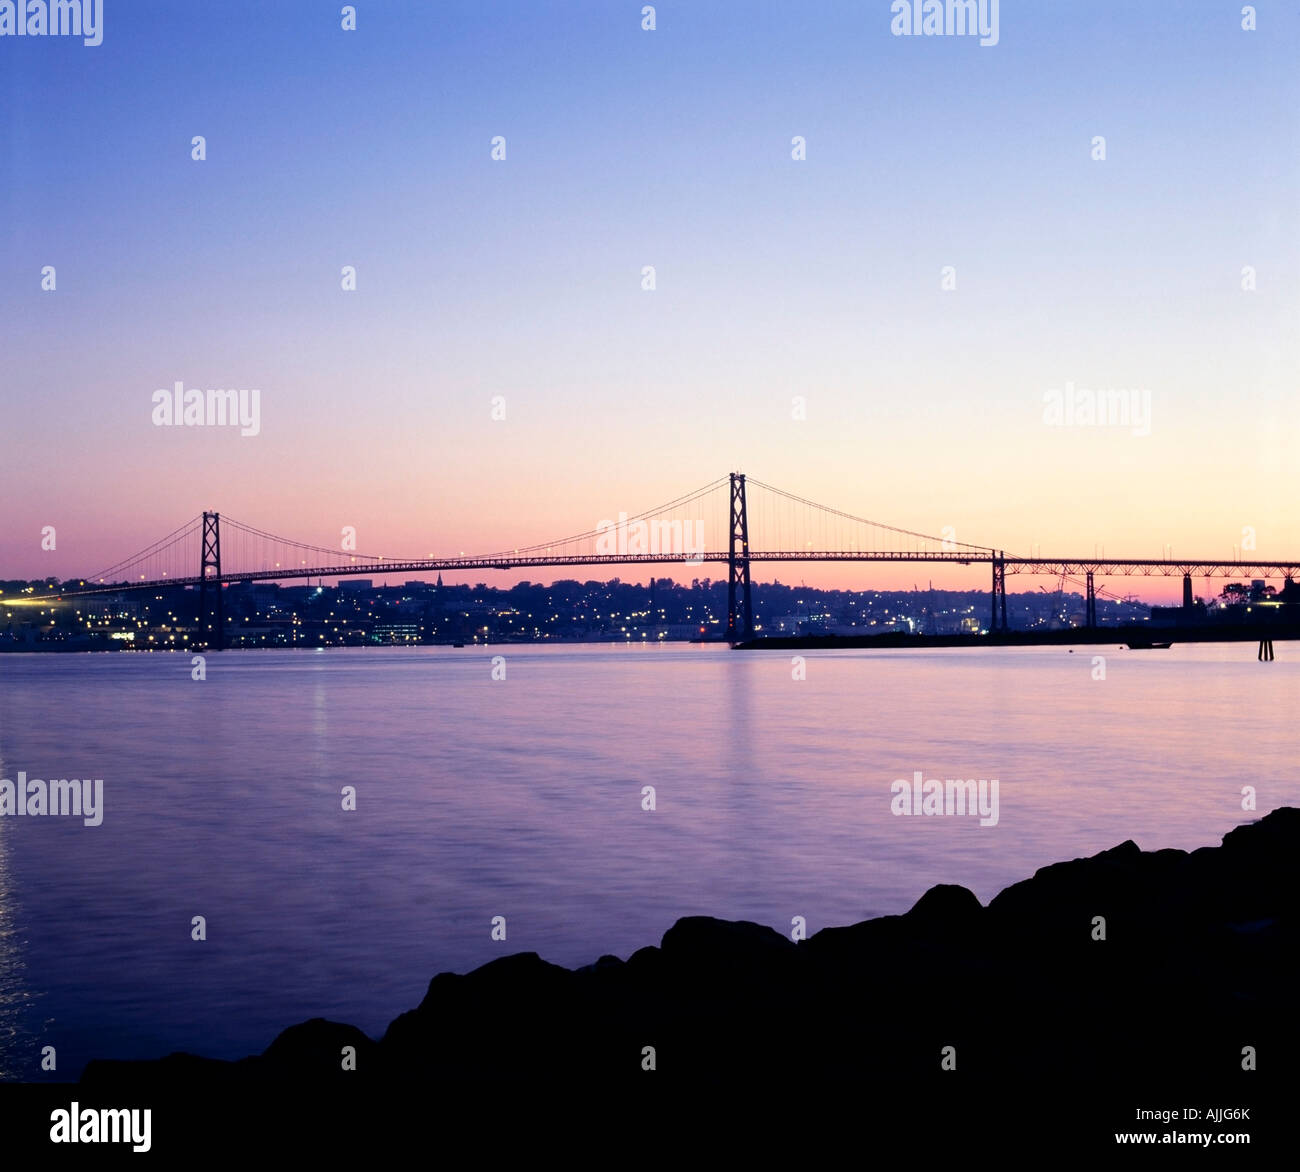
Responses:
[669,148]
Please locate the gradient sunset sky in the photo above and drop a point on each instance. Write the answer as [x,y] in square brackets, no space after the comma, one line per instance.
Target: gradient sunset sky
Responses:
[775,277]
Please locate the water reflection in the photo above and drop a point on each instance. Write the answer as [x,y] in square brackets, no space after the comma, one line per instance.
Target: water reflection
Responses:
[17,1040]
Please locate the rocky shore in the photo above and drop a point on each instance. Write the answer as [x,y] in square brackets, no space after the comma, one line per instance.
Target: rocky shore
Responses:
[1159,969]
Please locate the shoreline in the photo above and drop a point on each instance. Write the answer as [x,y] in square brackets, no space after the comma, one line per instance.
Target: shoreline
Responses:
[1133,636]
[1009,1026]
[1193,963]
[1143,635]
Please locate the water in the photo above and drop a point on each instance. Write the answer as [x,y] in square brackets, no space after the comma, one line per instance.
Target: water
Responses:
[522,798]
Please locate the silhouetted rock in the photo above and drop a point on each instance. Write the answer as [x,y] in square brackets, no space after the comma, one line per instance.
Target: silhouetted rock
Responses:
[946,906]
[315,1050]
[175,1070]
[1158,968]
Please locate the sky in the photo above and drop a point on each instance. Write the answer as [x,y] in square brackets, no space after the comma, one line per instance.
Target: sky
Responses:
[519,281]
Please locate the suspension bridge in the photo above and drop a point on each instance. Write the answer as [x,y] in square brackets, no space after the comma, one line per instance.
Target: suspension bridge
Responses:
[761,523]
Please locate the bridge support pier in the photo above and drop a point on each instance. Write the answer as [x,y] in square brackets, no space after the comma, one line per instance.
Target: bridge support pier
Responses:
[998,617]
[1188,601]
[740,606]
[212,627]
[1092,603]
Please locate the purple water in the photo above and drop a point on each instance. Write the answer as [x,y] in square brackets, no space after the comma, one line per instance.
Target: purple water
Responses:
[522,798]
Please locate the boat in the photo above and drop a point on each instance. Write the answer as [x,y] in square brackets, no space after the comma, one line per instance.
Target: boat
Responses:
[1147,645]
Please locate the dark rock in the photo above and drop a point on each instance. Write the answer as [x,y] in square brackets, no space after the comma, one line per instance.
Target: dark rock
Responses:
[313,1050]
[705,939]
[946,906]
[179,1069]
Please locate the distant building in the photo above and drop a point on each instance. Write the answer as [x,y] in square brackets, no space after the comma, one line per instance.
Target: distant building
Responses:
[351,584]
[1170,616]
[397,633]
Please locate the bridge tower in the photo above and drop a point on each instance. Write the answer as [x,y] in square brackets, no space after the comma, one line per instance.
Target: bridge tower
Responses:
[740,610]
[211,623]
[998,617]
[1092,603]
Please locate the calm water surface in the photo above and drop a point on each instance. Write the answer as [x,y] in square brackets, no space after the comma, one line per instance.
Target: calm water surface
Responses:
[522,798]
